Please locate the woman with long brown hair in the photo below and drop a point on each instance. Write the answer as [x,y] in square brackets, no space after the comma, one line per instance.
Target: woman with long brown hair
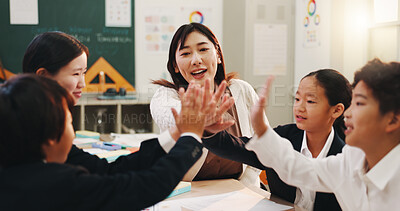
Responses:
[196,55]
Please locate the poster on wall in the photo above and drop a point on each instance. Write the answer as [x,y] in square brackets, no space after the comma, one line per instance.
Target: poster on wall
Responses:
[159,27]
[311,24]
[270,49]
[160,24]
[24,12]
[118,13]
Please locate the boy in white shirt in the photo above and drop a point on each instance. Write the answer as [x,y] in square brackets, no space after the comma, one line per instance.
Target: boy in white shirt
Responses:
[365,175]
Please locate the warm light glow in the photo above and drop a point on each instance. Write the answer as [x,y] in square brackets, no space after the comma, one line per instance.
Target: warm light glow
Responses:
[385,11]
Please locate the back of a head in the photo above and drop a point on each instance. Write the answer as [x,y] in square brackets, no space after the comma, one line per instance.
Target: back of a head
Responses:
[52,51]
[384,81]
[32,111]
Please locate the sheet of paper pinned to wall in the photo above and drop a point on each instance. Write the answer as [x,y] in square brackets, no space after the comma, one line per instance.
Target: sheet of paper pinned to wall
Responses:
[24,12]
[270,49]
[118,13]
[159,28]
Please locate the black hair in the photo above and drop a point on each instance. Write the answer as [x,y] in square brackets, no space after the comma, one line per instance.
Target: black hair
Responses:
[384,81]
[52,51]
[32,111]
[338,90]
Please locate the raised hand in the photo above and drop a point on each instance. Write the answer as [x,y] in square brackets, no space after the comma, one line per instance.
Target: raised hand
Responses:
[219,123]
[196,104]
[257,111]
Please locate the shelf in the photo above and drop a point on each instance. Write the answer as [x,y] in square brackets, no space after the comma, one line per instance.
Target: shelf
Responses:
[113,116]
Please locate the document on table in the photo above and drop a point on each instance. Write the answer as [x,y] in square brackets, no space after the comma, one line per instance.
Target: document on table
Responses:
[236,200]
[133,140]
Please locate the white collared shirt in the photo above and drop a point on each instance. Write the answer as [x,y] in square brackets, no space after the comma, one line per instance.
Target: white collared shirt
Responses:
[344,174]
[305,198]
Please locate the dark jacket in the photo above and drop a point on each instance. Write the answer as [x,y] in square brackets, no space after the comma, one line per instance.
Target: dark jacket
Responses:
[51,186]
[228,146]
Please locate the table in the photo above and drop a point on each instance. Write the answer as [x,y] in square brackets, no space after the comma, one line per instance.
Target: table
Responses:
[224,194]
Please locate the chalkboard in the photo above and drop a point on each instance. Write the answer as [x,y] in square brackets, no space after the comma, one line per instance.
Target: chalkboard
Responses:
[84,19]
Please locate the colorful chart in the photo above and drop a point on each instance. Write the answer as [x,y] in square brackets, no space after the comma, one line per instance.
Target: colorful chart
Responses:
[312,7]
[306,21]
[316,19]
[196,16]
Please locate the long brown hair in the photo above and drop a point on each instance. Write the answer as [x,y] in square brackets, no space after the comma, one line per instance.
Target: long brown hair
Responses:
[179,38]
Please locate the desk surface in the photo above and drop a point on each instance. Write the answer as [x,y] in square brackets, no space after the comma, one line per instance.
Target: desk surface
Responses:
[227,194]
[91,99]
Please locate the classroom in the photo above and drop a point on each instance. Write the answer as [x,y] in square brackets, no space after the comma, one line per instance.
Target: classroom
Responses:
[134,55]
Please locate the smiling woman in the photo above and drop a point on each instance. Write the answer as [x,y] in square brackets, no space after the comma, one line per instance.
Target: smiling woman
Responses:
[58,56]
[195,55]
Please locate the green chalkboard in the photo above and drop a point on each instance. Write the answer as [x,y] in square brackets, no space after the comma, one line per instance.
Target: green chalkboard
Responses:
[85,19]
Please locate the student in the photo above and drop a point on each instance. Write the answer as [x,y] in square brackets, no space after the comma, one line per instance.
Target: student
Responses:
[62,57]
[365,176]
[321,98]
[195,54]
[37,136]
[58,56]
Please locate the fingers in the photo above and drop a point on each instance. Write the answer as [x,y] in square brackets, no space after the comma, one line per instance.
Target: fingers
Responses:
[220,91]
[267,87]
[175,114]
[225,106]
[207,92]
[219,126]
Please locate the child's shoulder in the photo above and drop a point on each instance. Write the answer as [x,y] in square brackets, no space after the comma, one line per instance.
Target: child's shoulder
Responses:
[288,130]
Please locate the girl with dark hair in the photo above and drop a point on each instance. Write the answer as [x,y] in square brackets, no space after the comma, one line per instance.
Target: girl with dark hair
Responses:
[37,134]
[196,55]
[58,56]
[320,101]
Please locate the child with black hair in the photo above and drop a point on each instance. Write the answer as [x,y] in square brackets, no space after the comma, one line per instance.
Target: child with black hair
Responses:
[320,101]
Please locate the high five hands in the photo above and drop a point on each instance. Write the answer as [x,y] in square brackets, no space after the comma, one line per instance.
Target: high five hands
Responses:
[199,107]
[257,111]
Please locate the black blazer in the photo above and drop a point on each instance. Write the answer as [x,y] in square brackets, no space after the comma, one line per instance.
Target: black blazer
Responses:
[228,146]
[51,186]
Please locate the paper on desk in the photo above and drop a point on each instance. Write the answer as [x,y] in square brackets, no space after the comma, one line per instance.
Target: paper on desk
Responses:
[132,140]
[95,151]
[229,201]
[84,140]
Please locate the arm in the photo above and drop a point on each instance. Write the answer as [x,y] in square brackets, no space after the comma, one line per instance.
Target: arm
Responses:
[160,107]
[150,151]
[295,169]
[154,184]
[292,167]
[228,146]
[137,190]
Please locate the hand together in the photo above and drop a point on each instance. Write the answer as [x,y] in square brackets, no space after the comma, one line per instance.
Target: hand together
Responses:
[199,106]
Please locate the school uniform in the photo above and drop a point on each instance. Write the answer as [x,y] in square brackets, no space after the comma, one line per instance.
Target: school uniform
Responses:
[231,147]
[347,175]
[51,186]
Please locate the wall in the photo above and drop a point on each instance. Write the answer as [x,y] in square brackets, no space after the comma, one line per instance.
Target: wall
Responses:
[274,14]
[310,56]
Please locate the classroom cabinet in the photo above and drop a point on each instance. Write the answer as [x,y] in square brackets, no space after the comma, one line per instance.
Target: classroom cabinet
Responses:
[113,116]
